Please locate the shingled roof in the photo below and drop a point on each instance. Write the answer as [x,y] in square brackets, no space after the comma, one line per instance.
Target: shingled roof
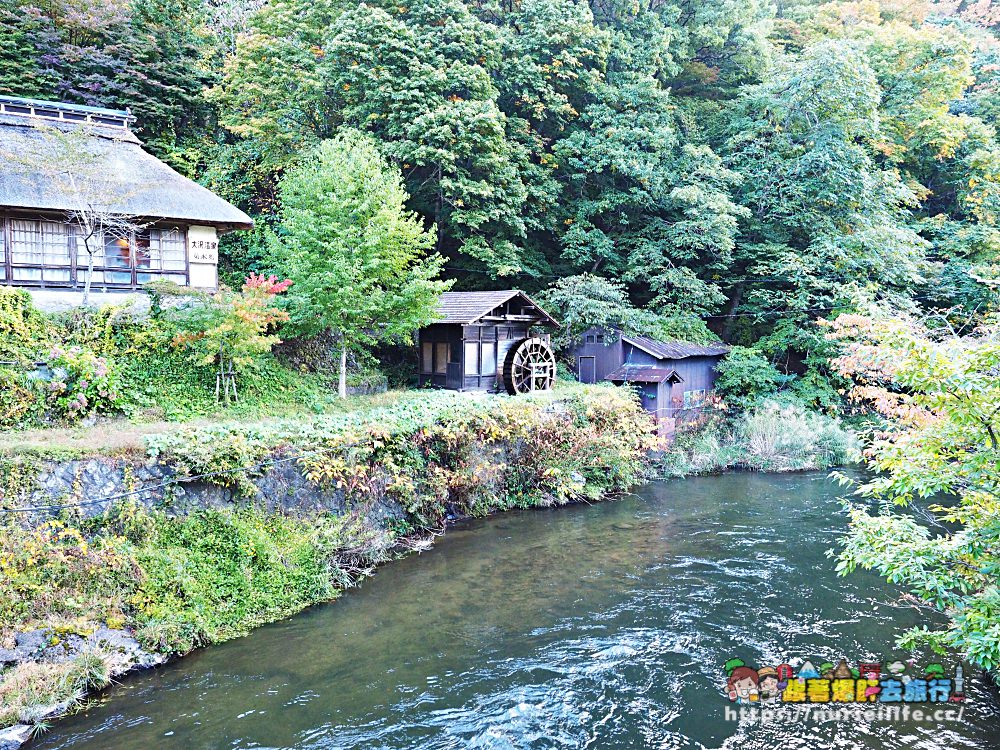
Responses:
[644,374]
[142,185]
[675,349]
[466,308]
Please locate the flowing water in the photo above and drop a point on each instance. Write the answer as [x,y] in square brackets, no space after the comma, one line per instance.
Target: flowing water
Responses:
[601,626]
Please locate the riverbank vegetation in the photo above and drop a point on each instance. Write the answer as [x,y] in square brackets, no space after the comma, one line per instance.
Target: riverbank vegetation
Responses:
[770,436]
[930,520]
[183,580]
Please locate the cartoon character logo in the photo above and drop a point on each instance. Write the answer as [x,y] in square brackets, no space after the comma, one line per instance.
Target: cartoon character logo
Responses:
[769,686]
[870,671]
[785,675]
[870,682]
[808,672]
[842,671]
[898,671]
[742,684]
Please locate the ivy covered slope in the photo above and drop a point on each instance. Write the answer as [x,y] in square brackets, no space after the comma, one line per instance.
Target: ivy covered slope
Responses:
[182,581]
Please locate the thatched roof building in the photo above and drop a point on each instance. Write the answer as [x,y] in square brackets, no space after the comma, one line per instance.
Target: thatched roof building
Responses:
[62,164]
[143,185]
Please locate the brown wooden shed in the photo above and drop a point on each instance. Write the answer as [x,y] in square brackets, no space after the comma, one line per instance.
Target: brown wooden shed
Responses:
[468,347]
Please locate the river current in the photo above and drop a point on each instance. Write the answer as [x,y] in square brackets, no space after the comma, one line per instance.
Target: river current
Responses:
[600,626]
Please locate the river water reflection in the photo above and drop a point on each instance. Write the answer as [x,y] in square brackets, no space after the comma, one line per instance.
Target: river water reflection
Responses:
[600,626]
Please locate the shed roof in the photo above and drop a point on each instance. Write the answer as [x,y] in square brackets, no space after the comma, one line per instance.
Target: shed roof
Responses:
[138,184]
[675,349]
[644,374]
[466,308]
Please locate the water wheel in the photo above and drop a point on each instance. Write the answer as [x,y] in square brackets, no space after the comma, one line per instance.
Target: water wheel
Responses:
[530,366]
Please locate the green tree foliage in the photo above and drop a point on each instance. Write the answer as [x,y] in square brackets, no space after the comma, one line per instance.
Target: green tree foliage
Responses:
[231,330]
[752,165]
[588,301]
[746,379]
[147,55]
[940,396]
[356,257]
[27,35]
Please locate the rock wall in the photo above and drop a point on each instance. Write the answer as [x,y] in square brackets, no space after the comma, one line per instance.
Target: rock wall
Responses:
[93,485]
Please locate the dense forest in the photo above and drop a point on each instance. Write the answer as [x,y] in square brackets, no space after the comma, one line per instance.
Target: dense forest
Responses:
[748,165]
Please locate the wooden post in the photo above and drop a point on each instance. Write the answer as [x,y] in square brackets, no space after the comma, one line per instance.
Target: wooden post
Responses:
[342,385]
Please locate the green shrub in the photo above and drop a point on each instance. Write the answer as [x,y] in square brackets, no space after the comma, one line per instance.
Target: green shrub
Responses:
[19,399]
[745,378]
[241,568]
[24,332]
[84,384]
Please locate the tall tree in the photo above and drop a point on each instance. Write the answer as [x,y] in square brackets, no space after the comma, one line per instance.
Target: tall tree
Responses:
[356,257]
[938,392]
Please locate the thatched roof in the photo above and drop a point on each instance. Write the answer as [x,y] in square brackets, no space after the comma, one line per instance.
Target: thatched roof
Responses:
[466,308]
[137,184]
[675,349]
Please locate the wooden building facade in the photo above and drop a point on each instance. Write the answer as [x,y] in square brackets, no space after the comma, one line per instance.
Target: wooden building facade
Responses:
[142,220]
[673,377]
[475,336]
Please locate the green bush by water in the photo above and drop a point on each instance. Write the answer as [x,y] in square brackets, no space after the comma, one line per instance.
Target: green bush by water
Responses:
[187,580]
[775,436]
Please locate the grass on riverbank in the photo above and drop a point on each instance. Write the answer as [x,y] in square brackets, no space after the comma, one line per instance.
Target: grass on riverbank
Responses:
[28,690]
[772,437]
[109,437]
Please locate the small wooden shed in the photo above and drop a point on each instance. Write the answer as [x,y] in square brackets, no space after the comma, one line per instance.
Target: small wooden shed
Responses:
[673,377]
[487,341]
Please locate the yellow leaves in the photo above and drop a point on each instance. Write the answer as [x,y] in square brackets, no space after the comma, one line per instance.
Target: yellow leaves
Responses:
[347,87]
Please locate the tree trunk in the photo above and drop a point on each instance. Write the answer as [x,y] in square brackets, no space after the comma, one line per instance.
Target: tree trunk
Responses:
[90,274]
[730,319]
[342,386]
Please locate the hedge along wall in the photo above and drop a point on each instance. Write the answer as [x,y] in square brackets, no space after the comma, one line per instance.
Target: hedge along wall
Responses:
[192,563]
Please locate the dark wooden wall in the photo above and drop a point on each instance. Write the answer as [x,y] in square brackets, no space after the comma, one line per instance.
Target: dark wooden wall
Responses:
[466,358]
[604,352]
[663,400]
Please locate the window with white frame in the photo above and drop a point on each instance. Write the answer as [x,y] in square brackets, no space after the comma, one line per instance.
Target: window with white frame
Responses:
[43,253]
[40,250]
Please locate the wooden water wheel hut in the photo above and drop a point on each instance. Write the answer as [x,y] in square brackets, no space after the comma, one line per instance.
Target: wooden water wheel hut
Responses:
[488,341]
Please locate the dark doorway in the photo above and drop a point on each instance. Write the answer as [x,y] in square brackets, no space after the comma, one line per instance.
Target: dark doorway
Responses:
[587,370]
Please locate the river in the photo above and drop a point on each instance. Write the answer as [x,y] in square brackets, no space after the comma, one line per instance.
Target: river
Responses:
[601,626]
